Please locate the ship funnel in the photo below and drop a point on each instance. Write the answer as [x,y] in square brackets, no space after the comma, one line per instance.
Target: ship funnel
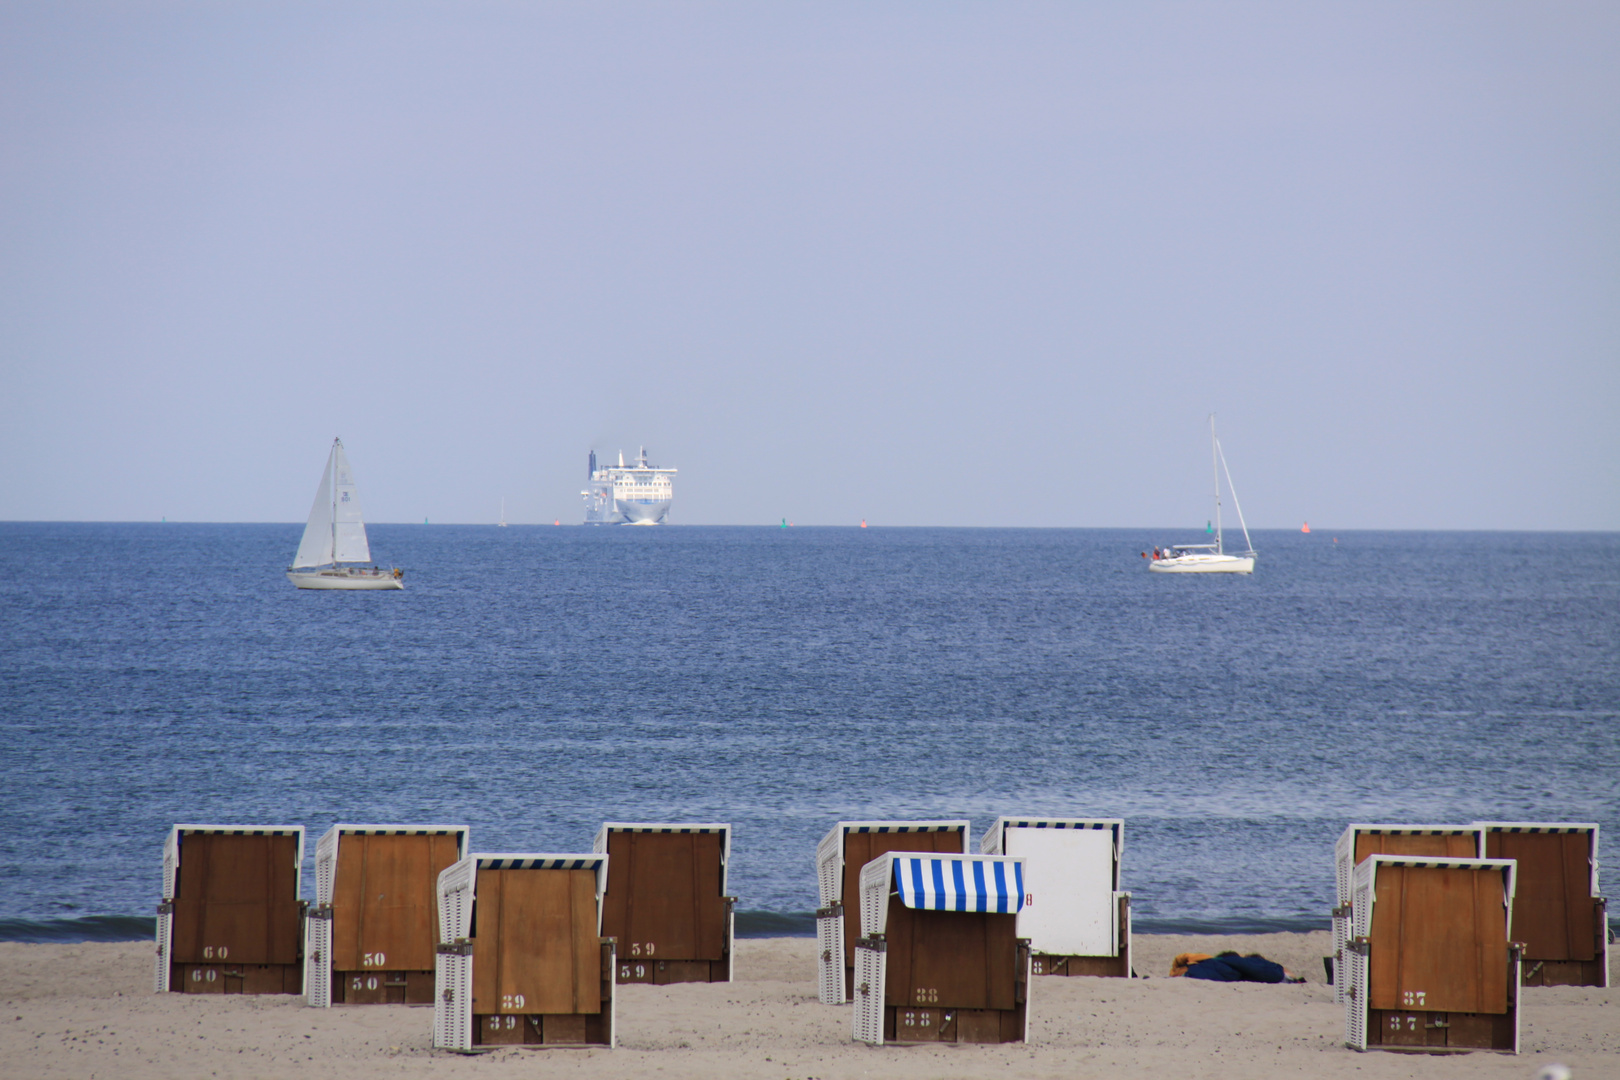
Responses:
[590,471]
[643,460]
[621,459]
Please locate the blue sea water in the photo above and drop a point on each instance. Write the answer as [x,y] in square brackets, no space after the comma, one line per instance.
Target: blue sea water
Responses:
[533,682]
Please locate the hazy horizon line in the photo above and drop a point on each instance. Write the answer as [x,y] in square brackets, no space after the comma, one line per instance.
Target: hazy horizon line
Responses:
[793,525]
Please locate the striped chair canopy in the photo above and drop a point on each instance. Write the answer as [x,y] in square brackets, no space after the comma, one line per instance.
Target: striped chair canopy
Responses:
[960,883]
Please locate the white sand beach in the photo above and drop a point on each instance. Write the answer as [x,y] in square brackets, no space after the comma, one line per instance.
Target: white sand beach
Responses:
[88,1011]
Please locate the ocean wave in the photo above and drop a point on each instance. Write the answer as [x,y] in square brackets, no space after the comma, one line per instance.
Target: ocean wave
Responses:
[88,928]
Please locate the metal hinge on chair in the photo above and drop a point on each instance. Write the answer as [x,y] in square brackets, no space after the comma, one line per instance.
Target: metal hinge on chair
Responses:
[322,912]
[830,912]
[458,947]
[166,908]
[1342,911]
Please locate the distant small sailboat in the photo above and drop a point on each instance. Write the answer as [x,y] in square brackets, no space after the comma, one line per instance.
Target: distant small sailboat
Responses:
[336,534]
[1305,528]
[502,522]
[1209,558]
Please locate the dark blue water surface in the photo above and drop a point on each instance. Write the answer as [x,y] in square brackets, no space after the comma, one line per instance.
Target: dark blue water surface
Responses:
[533,682]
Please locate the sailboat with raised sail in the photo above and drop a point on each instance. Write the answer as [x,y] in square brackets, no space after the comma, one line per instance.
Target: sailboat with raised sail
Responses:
[336,534]
[1210,558]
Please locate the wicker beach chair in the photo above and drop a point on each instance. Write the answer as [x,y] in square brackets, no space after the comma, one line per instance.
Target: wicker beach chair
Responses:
[1077,920]
[1557,912]
[231,921]
[532,968]
[1430,966]
[372,931]
[666,901]
[939,958]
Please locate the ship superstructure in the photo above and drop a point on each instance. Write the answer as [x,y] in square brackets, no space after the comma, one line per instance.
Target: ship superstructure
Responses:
[622,494]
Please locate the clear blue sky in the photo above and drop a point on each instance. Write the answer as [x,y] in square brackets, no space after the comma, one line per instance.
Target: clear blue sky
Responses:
[924,263]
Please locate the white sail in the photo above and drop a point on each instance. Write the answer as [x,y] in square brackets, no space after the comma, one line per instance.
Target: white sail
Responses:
[348,530]
[315,549]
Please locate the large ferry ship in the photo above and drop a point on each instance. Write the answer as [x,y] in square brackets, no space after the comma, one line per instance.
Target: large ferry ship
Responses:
[637,494]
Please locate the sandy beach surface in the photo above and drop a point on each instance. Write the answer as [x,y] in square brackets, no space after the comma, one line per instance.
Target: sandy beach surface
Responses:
[88,1011]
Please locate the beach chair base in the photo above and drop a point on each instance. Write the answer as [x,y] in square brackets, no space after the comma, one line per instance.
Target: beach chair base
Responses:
[540,1029]
[237,978]
[1567,972]
[1114,967]
[1117,966]
[905,1024]
[877,1024]
[1441,1033]
[1564,973]
[373,987]
[665,972]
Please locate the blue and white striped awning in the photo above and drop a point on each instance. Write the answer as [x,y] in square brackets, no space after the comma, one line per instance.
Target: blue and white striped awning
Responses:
[960,883]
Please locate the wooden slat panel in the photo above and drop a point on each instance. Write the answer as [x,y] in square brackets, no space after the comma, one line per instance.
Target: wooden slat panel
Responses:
[186,941]
[348,903]
[1552,907]
[862,848]
[1439,941]
[707,858]
[1462,846]
[978,1026]
[1583,930]
[584,942]
[486,929]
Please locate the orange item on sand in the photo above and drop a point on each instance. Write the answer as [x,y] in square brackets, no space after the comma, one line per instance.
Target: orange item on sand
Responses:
[1185,960]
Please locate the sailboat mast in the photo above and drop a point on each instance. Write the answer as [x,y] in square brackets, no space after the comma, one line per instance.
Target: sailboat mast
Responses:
[1215,475]
[331,463]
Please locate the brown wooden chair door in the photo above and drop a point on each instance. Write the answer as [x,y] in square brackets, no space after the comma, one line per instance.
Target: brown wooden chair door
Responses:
[536,948]
[951,959]
[664,898]
[1553,913]
[237,900]
[1439,940]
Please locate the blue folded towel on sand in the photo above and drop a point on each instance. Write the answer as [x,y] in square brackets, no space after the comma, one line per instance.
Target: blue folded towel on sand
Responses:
[1230,967]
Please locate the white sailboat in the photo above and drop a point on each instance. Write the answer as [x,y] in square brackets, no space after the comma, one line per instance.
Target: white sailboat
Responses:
[1209,558]
[502,522]
[336,534]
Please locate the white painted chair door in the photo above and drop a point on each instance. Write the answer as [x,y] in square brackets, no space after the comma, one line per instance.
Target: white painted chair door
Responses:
[1069,886]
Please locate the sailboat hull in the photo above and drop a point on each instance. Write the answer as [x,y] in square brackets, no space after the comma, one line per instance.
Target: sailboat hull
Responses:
[345,578]
[1204,564]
